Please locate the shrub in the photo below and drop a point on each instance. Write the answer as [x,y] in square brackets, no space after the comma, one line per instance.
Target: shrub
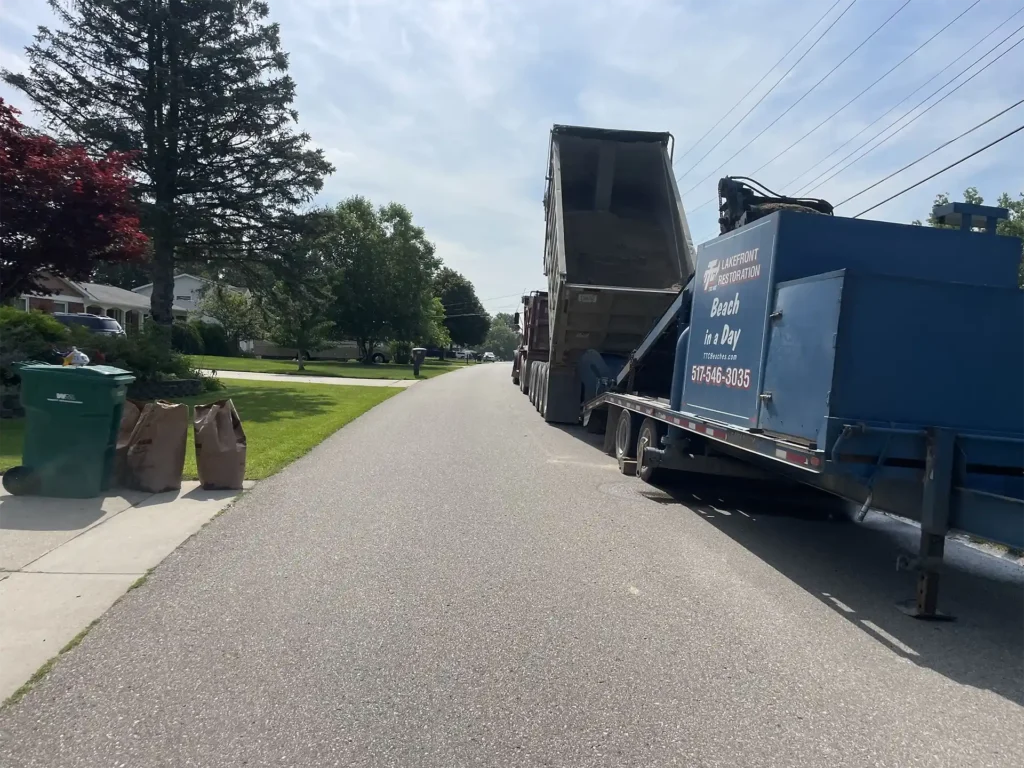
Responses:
[187,339]
[212,384]
[28,336]
[401,352]
[215,340]
[145,354]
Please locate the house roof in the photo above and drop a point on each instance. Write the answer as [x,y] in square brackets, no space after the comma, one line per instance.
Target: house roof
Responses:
[194,277]
[118,297]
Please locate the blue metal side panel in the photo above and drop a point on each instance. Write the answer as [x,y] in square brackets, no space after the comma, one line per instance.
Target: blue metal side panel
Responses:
[800,357]
[929,353]
[727,329]
[810,244]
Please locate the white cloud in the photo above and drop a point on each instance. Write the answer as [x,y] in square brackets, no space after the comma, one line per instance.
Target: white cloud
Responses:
[445,105]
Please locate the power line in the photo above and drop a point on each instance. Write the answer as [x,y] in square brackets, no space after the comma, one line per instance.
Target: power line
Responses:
[951,165]
[903,61]
[805,95]
[929,154]
[777,82]
[763,78]
[462,304]
[903,100]
[912,120]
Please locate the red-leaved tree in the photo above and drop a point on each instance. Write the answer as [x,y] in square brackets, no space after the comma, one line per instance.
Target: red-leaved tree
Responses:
[61,212]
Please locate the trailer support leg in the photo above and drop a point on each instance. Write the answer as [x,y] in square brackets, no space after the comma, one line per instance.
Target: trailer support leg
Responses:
[938,485]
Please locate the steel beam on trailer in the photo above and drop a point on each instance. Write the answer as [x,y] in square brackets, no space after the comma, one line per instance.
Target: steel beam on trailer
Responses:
[935,502]
[670,316]
[678,460]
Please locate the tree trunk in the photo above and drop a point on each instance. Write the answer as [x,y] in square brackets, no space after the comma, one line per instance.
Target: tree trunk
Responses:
[163,281]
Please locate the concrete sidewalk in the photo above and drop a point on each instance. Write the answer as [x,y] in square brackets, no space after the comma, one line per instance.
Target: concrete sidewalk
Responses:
[338,380]
[63,563]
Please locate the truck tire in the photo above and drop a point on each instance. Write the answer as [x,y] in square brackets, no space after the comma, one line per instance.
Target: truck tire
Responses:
[626,433]
[651,432]
[539,386]
[542,388]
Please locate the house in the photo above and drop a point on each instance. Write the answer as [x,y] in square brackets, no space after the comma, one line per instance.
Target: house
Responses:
[188,290]
[130,309]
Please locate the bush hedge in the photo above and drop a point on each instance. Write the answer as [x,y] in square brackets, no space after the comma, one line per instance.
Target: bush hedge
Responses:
[29,336]
[186,338]
[38,336]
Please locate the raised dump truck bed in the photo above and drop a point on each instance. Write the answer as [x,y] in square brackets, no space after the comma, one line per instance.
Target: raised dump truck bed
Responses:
[617,251]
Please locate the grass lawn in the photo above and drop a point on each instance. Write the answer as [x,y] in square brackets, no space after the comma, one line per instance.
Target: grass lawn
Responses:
[354,370]
[282,421]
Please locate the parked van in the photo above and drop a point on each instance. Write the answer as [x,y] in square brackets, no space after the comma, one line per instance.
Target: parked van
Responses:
[335,350]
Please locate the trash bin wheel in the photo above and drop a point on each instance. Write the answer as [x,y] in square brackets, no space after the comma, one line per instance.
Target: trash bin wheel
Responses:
[21,481]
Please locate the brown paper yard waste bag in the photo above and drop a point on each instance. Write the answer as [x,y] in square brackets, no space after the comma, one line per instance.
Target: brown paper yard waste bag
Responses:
[220,446]
[129,418]
[156,449]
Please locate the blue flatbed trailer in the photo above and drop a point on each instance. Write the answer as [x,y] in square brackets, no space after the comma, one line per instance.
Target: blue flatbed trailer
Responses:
[809,347]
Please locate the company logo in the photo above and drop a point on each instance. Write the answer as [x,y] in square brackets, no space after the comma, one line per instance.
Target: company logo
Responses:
[711,275]
[64,397]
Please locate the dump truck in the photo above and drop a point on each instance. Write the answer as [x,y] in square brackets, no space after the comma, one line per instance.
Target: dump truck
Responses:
[617,252]
[533,324]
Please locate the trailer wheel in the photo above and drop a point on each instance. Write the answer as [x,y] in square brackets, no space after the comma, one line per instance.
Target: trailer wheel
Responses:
[625,440]
[651,432]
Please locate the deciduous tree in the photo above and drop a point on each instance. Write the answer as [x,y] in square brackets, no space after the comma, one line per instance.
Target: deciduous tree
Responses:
[238,314]
[465,318]
[384,266]
[63,212]
[501,340]
[1012,226]
[199,90]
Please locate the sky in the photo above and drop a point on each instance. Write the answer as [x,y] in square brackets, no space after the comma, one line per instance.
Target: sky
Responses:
[445,105]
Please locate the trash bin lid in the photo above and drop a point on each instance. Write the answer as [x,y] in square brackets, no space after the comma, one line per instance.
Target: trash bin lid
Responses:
[119,375]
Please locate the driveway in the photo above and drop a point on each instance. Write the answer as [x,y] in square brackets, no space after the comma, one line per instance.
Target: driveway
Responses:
[448,581]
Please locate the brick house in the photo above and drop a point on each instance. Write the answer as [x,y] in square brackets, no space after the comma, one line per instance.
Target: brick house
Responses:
[128,308]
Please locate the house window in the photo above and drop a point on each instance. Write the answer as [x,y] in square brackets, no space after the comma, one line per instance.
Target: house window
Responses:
[24,303]
[60,306]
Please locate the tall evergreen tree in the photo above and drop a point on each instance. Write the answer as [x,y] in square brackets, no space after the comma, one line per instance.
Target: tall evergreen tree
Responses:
[199,91]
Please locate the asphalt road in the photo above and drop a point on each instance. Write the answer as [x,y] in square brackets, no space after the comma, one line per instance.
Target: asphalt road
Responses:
[448,581]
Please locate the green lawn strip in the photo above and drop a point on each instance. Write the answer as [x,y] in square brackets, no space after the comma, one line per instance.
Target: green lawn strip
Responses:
[350,369]
[282,421]
[12,433]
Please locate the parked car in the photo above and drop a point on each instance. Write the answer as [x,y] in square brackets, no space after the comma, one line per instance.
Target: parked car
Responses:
[99,324]
[342,351]
[489,357]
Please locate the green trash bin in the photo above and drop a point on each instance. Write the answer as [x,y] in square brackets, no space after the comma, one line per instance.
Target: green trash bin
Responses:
[72,417]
